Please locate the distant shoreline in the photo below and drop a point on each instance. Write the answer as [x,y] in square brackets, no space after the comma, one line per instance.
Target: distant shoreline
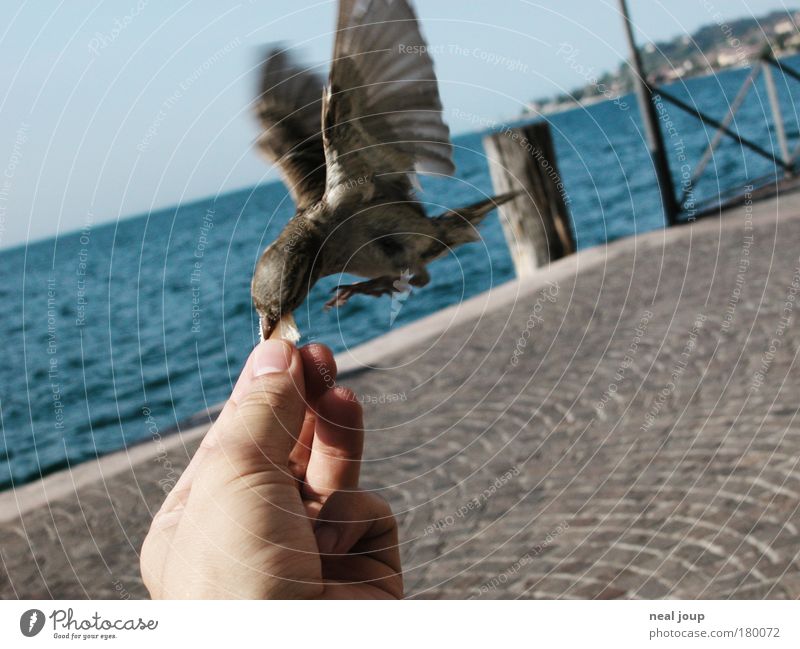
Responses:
[718,46]
[563,107]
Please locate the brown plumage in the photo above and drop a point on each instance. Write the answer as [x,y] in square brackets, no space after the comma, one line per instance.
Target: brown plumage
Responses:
[348,153]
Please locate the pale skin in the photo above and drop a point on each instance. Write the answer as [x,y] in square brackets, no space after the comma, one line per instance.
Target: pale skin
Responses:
[270,506]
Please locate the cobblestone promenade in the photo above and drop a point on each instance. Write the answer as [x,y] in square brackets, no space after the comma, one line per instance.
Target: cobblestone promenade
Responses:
[623,427]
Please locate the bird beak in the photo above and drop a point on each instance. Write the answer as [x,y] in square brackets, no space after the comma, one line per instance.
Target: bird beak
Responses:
[267,327]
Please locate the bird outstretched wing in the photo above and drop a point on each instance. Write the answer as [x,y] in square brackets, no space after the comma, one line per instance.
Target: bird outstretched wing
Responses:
[289,109]
[382,116]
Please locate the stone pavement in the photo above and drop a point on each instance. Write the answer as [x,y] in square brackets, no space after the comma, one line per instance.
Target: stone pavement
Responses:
[623,426]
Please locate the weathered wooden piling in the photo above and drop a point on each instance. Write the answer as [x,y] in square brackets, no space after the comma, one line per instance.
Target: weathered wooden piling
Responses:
[536,223]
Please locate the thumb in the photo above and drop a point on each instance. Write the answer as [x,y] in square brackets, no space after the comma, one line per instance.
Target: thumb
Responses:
[262,420]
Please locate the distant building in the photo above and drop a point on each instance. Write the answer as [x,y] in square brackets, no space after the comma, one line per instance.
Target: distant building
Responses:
[728,58]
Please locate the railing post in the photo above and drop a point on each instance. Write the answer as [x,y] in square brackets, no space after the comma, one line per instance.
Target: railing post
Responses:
[644,95]
[777,117]
[536,223]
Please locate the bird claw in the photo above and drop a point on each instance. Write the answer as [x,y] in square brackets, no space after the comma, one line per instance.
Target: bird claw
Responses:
[343,293]
[373,287]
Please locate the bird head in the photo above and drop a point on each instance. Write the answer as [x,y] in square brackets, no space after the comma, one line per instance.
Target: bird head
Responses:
[283,277]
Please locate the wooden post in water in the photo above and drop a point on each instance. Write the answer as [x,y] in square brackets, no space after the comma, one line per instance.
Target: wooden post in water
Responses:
[536,223]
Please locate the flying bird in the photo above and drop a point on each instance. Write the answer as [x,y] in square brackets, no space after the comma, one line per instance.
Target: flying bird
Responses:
[349,152]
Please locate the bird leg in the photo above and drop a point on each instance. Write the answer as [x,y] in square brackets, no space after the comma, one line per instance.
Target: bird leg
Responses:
[420,277]
[376,287]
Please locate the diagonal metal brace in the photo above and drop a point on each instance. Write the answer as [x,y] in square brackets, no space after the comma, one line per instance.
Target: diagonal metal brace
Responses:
[706,119]
[785,69]
[718,135]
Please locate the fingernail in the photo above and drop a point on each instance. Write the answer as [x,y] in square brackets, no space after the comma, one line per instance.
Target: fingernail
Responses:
[271,356]
[327,538]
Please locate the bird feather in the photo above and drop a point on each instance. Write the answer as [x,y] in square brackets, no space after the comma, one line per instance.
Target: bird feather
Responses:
[382,115]
[288,109]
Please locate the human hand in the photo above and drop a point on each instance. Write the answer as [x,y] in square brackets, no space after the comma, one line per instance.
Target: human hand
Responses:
[269,506]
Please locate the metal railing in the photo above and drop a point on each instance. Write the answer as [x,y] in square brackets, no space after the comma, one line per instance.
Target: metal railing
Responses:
[786,161]
[675,207]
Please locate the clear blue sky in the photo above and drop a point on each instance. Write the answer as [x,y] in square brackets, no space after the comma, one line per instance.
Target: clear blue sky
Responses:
[114,108]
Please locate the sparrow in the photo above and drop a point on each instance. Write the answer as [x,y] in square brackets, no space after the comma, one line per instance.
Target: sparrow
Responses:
[349,152]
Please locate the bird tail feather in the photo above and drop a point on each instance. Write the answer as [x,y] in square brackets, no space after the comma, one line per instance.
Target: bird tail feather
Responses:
[459,225]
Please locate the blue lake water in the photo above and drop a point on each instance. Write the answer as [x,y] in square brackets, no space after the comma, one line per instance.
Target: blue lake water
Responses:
[123,330]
